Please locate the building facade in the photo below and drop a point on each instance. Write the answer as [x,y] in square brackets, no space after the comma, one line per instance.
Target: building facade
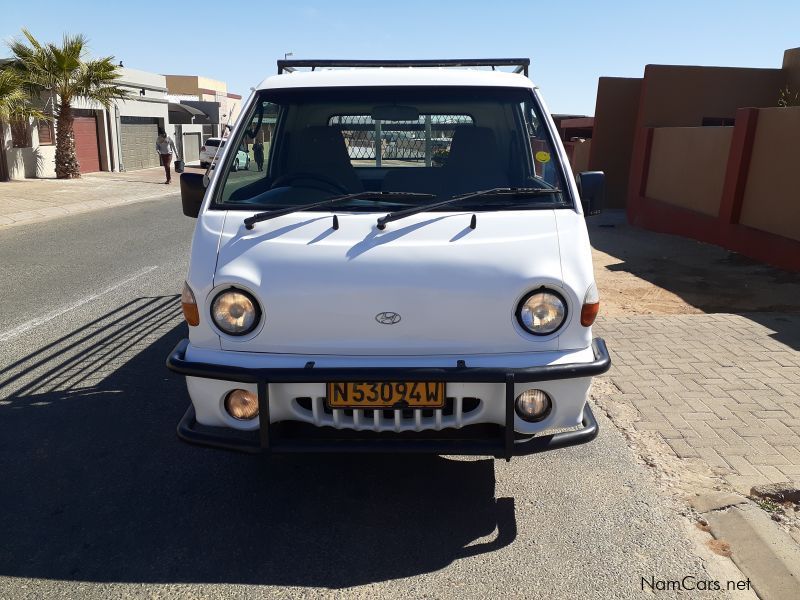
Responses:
[123,137]
[209,96]
[706,152]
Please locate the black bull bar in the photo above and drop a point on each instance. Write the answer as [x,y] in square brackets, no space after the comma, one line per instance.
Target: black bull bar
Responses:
[484,440]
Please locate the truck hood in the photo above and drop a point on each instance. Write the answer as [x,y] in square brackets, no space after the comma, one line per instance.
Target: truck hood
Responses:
[453,289]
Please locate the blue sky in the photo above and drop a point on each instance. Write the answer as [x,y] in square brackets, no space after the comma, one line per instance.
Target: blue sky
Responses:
[571,43]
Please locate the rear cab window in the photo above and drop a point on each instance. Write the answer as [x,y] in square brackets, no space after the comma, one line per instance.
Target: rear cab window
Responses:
[422,142]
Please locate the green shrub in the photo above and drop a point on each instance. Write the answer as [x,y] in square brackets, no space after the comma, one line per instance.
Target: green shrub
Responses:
[786,97]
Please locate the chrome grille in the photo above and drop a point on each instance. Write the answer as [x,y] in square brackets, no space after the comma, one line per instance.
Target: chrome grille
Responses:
[456,413]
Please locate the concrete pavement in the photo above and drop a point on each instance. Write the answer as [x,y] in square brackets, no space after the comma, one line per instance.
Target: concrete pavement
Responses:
[35,200]
[720,388]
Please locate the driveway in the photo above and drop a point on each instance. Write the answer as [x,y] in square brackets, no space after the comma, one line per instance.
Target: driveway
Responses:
[705,378]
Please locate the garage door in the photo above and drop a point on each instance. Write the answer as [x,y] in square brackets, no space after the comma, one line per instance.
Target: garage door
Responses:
[138,143]
[86,149]
[191,148]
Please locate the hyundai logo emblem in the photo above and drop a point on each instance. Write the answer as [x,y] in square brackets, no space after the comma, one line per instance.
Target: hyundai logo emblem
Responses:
[387,318]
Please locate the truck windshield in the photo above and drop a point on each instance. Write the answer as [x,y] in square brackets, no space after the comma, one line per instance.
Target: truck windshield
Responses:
[310,144]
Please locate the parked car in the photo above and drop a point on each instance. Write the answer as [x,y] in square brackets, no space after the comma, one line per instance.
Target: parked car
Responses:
[213,147]
[337,306]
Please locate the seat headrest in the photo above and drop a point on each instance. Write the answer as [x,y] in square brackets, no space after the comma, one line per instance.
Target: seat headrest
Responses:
[471,147]
[318,145]
[321,149]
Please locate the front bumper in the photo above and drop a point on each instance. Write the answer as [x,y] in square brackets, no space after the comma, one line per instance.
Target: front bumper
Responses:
[485,440]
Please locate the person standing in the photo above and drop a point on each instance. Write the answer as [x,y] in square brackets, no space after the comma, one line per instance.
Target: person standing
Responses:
[165,146]
[258,154]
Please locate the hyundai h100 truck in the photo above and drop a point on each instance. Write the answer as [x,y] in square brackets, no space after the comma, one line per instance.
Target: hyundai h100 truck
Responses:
[410,272]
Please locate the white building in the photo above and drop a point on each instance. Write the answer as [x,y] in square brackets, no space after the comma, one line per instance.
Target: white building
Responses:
[120,139]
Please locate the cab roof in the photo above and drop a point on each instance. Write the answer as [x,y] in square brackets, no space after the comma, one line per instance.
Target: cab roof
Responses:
[395,76]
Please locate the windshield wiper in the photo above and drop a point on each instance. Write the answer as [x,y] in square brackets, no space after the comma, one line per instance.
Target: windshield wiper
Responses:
[250,222]
[502,191]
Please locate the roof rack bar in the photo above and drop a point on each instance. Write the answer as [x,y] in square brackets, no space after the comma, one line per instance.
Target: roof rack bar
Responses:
[521,64]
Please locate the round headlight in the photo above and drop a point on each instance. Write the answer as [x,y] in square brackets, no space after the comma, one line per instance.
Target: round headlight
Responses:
[542,312]
[235,312]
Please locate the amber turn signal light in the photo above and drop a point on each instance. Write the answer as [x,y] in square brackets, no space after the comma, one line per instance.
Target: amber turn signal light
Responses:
[189,306]
[591,306]
[589,313]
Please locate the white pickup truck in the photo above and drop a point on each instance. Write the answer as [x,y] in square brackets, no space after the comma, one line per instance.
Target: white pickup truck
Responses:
[435,298]
[211,150]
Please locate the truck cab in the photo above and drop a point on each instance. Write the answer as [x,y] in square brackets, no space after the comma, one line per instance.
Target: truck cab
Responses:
[411,272]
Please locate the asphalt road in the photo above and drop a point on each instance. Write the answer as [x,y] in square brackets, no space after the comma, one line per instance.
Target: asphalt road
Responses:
[99,499]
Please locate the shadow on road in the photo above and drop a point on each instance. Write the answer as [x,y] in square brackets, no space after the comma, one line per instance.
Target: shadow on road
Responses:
[96,486]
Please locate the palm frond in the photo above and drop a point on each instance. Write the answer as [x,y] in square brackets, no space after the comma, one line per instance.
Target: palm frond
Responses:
[96,80]
[31,40]
[15,103]
[65,70]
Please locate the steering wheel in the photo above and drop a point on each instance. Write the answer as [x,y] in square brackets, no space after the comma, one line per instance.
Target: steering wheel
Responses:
[313,177]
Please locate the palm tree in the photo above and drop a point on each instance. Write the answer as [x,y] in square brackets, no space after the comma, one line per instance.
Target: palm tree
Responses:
[15,105]
[66,72]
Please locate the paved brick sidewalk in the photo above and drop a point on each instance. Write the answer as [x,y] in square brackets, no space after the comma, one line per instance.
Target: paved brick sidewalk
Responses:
[720,388]
[32,200]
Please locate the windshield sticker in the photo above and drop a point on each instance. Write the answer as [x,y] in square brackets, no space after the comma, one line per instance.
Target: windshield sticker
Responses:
[542,156]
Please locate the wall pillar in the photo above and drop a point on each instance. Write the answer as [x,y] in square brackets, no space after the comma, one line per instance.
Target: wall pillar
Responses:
[738,168]
[640,168]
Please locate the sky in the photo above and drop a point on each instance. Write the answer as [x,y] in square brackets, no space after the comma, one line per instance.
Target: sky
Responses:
[570,43]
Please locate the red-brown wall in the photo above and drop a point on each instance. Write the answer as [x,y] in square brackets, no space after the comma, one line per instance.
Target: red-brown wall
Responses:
[687,166]
[612,139]
[791,66]
[761,224]
[678,96]
[771,199]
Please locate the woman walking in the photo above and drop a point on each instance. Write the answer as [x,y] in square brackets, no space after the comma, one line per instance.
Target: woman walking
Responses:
[165,146]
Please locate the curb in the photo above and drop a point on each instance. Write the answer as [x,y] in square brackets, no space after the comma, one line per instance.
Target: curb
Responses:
[766,554]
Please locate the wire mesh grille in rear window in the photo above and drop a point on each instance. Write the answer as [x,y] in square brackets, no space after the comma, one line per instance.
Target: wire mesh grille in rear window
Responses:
[422,142]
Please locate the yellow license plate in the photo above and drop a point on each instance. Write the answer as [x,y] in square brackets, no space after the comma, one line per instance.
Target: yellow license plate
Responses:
[362,394]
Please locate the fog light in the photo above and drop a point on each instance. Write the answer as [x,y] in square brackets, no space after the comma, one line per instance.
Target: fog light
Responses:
[533,405]
[242,405]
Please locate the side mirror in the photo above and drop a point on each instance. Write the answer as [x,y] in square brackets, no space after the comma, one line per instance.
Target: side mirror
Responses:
[592,190]
[192,192]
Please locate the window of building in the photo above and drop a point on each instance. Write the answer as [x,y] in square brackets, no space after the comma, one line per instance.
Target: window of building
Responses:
[20,133]
[718,122]
[47,135]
